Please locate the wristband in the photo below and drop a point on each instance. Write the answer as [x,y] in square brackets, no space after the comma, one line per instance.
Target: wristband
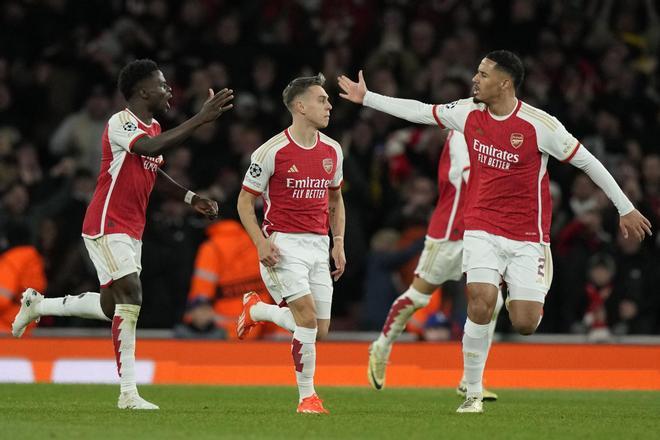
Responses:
[337,237]
[189,196]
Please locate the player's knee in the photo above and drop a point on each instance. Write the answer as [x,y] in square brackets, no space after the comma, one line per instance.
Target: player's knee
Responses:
[524,327]
[127,290]
[321,333]
[307,319]
[107,303]
[479,310]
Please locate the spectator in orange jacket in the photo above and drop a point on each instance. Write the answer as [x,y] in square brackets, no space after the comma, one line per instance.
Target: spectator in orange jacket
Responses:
[21,266]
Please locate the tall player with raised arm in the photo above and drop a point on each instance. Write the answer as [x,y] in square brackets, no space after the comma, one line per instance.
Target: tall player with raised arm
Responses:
[298,172]
[115,218]
[508,206]
[440,261]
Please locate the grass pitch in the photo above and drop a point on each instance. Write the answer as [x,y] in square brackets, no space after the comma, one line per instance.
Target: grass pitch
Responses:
[44,411]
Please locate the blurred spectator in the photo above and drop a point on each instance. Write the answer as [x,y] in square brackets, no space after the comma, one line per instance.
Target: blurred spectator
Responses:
[200,322]
[635,302]
[382,285]
[79,136]
[601,271]
[21,266]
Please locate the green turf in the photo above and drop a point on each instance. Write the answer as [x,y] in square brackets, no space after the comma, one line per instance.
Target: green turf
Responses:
[89,412]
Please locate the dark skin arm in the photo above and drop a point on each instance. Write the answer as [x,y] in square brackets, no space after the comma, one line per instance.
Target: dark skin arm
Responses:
[207,207]
[214,106]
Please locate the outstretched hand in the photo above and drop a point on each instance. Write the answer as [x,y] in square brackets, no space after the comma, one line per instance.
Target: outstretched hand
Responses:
[636,224]
[207,207]
[353,91]
[216,104]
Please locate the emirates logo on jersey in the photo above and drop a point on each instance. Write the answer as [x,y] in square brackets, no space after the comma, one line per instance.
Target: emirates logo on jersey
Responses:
[517,140]
[327,165]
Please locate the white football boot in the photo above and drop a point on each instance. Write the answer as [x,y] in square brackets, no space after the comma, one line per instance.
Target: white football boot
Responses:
[471,405]
[488,395]
[27,313]
[378,360]
[132,400]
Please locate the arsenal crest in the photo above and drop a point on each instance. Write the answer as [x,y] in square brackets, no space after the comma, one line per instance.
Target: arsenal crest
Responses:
[516,140]
[327,165]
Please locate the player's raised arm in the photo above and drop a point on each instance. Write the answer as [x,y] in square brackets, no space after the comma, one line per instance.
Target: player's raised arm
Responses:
[631,222]
[408,109]
[215,105]
[554,139]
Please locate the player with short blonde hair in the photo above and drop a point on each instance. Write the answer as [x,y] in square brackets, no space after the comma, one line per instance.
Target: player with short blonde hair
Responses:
[298,173]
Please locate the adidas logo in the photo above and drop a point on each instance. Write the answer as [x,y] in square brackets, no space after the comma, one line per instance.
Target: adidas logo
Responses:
[293,169]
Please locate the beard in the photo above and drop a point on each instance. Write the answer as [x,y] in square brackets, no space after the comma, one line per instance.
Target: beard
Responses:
[477,100]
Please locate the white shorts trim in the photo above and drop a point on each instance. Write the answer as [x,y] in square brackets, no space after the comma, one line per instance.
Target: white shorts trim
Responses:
[517,293]
[440,261]
[114,256]
[303,269]
[483,275]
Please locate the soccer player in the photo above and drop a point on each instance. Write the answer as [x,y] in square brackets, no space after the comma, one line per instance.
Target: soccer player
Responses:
[115,218]
[508,205]
[440,260]
[298,172]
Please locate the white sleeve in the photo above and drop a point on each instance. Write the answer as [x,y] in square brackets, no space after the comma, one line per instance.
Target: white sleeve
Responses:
[553,138]
[586,161]
[460,156]
[259,172]
[124,130]
[338,178]
[408,109]
[454,114]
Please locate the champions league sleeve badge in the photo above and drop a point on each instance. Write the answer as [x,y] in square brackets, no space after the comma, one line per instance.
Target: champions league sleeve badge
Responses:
[129,126]
[255,170]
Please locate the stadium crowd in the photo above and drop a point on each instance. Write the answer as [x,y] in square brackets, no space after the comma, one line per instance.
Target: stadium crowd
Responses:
[591,63]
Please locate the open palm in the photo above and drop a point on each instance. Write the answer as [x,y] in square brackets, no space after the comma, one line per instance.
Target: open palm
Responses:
[353,91]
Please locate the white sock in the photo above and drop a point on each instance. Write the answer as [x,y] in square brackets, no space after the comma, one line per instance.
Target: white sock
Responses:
[281,316]
[493,321]
[400,312]
[475,353]
[123,339]
[303,350]
[86,305]
[492,324]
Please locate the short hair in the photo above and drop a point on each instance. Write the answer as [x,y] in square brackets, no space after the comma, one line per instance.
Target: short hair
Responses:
[510,63]
[299,86]
[133,73]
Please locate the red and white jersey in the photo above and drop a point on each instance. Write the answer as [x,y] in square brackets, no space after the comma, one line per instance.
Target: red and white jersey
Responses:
[453,171]
[294,182]
[125,180]
[508,192]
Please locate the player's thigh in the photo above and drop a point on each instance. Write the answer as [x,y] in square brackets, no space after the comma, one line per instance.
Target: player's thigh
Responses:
[528,273]
[323,328]
[525,314]
[303,309]
[114,256]
[440,261]
[320,283]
